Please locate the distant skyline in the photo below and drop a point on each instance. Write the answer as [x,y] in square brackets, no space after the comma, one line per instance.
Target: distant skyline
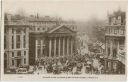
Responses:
[67,9]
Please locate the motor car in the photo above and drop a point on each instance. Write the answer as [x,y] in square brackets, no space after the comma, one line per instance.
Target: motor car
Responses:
[21,71]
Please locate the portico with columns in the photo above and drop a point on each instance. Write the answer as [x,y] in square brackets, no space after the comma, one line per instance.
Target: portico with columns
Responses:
[57,42]
[60,46]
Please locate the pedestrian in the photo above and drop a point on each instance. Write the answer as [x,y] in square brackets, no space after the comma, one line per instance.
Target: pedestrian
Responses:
[100,69]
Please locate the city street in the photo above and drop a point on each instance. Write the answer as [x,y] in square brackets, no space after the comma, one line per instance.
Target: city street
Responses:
[81,68]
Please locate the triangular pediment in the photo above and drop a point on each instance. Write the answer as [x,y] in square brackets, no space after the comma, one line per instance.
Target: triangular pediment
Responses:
[61,29]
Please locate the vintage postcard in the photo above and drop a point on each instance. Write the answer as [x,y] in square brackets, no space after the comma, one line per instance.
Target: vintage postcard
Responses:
[63,40]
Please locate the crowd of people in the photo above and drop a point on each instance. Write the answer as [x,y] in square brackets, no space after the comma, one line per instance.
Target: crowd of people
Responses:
[70,65]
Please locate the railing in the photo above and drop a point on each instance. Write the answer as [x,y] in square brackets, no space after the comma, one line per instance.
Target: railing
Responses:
[116,35]
[115,30]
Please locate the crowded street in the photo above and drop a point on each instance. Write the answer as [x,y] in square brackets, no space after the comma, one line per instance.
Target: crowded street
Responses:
[72,65]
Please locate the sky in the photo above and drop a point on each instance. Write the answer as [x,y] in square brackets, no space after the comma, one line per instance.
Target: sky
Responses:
[67,9]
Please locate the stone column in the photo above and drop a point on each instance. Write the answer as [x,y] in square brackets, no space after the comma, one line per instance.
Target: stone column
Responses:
[106,49]
[71,46]
[50,46]
[22,60]
[105,64]
[27,37]
[27,45]
[63,46]
[111,54]
[8,60]
[9,46]
[67,46]
[55,47]
[111,48]
[14,39]
[41,48]
[36,50]
[59,48]
[9,39]
[27,59]
[118,46]
[15,61]
[21,39]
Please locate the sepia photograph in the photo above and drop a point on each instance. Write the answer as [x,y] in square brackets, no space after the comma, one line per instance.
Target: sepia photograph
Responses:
[68,37]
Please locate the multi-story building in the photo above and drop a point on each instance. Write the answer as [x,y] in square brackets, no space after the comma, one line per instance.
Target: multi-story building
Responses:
[115,43]
[28,39]
[16,44]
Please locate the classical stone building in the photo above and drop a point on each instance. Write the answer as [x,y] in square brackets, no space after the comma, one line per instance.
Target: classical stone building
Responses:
[16,45]
[56,42]
[50,38]
[115,43]
[28,39]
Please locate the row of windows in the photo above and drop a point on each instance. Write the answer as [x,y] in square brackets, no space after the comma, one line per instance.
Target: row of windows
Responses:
[18,53]
[13,61]
[116,21]
[115,42]
[115,31]
[111,65]
[41,29]
[18,41]
[44,23]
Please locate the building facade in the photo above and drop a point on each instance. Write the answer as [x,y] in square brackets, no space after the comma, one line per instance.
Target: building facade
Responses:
[115,43]
[29,39]
[50,38]
[57,42]
[16,44]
